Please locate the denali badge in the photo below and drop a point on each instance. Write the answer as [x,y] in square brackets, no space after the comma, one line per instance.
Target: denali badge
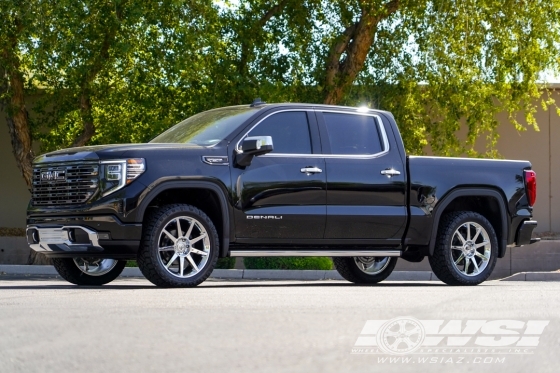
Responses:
[264,217]
[53,176]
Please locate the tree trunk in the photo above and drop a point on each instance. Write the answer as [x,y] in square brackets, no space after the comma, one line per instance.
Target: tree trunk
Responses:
[354,44]
[87,121]
[17,117]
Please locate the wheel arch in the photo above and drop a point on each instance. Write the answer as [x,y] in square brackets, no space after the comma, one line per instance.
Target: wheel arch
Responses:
[469,199]
[172,189]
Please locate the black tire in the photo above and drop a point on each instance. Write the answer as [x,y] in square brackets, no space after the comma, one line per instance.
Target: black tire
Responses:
[444,257]
[69,270]
[348,268]
[151,259]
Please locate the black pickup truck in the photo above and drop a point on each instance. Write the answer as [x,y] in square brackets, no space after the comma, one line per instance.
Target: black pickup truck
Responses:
[276,180]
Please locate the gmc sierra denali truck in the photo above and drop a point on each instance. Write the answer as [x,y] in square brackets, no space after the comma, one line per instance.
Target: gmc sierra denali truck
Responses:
[275,180]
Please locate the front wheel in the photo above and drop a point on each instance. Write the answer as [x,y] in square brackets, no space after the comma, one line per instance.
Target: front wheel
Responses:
[179,247]
[89,271]
[466,249]
[365,270]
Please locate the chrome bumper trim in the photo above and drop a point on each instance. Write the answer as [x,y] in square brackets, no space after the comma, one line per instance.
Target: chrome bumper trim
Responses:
[63,244]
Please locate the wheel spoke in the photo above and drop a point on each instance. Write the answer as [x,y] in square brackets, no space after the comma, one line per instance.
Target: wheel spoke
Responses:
[167,248]
[179,232]
[170,236]
[189,231]
[468,231]
[481,256]
[171,260]
[395,344]
[461,257]
[415,330]
[457,248]
[199,252]
[475,265]
[460,237]
[195,240]
[402,326]
[181,265]
[408,342]
[390,333]
[483,243]
[193,264]
[467,261]
[478,230]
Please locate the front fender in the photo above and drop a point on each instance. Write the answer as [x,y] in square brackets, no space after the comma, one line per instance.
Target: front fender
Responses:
[164,184]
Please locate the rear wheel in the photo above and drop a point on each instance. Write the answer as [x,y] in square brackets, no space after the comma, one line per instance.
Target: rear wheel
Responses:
[466,249]
[179,247]
[89,271]
[365,270]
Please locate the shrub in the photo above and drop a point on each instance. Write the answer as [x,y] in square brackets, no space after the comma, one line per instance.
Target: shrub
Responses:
[323,263]
[226,263]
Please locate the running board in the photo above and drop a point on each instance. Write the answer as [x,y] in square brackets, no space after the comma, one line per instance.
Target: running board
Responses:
[366,253]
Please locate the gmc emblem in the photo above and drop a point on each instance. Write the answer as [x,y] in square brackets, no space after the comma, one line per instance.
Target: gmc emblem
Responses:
[53,175]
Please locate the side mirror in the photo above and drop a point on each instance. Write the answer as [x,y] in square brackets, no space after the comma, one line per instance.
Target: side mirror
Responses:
[252,147]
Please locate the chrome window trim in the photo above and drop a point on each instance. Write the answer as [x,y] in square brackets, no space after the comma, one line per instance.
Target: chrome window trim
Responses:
[378,120]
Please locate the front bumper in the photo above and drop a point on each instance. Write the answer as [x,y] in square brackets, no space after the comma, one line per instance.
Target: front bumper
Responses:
[99,237]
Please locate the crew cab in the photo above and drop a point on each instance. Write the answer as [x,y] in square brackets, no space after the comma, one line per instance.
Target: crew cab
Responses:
[276,180]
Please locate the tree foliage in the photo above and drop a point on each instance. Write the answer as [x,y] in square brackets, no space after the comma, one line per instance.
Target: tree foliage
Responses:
[125,70]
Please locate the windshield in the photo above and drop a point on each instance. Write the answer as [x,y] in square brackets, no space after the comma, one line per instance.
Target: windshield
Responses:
[206,128]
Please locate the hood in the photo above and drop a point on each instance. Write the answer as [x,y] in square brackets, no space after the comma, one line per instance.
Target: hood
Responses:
[98,152]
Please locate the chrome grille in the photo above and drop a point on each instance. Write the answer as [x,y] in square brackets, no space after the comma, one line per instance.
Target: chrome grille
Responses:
[64,184]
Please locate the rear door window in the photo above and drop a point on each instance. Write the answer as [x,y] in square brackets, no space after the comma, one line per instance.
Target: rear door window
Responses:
[352,134]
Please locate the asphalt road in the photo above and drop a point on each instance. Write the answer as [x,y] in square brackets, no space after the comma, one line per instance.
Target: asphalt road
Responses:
[47,325]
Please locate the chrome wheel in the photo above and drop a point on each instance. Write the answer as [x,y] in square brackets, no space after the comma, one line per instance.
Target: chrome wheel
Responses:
[470,249]
[372,265]
[184,247]
[95,267]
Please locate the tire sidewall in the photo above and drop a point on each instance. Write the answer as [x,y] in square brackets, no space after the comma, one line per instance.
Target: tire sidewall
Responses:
[457,222]
[69,270]
[359,276]
[162,221]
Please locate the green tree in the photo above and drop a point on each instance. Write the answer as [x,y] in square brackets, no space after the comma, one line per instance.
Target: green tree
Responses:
[434,64]
[14,31]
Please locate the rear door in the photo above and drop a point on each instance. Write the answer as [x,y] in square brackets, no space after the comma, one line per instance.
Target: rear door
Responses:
[365,178]
[282,195]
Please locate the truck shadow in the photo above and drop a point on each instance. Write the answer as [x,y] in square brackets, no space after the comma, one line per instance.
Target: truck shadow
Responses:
[46,283]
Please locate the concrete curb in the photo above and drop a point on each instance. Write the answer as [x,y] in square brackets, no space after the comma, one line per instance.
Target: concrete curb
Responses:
[266,274]
[534,276]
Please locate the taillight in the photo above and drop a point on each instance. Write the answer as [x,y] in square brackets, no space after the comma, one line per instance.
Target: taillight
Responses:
[531,186]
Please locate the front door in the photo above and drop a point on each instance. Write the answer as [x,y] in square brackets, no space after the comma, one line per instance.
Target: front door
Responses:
[282,195]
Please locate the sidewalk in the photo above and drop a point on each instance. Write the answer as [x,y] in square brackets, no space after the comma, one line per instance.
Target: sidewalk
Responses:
[262,274]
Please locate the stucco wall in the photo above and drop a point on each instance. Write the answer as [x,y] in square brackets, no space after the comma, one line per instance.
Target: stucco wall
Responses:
[542,149]
[14,194]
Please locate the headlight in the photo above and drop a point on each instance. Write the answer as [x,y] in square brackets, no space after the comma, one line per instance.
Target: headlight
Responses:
[115,174]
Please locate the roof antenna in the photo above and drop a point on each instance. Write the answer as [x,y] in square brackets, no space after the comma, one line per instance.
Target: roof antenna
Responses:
[257,102]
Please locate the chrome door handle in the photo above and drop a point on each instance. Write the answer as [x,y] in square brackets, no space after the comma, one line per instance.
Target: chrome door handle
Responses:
[390,172]
[311,170]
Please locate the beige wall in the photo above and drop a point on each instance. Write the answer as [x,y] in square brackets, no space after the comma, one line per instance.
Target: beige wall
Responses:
[14,194]
[541,148]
